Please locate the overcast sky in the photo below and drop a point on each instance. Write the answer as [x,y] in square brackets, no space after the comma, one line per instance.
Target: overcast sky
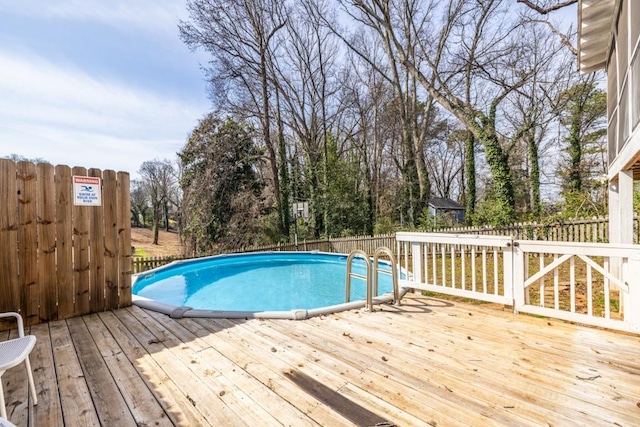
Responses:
[97,83]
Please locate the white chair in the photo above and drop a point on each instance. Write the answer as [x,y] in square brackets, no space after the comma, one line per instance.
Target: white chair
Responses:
[6,423]
[12,352]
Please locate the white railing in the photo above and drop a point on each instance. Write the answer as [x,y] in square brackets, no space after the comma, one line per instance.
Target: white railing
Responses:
[462,265]
[595,284]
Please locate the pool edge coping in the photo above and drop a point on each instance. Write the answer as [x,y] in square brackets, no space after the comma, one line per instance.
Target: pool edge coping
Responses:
[180,312]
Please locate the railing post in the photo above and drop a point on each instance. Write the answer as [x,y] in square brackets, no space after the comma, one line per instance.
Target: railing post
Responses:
[416,261]
[632,299]
[517,276]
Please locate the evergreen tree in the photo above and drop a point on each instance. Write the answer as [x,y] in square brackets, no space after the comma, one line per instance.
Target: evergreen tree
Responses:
[221,188]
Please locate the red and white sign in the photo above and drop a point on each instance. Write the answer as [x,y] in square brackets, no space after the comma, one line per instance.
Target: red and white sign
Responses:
[87,191]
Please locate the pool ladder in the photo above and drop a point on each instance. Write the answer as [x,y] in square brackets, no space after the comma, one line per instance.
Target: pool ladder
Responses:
[372,278]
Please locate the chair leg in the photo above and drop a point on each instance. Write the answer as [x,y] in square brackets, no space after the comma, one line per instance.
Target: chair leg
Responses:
[3,410]
[32,386]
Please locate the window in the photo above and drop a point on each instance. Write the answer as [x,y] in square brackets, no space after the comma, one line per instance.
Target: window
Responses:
[623,39]
[623,110]
[634,30]
[612,83]
[613,136]
[635,104]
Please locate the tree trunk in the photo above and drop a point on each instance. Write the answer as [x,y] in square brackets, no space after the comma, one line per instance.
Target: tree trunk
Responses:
[410,182]
[266,134]
[575,152]
[166,215]
[470,170]
[502,185]
[284,210]
[156,222]
[534,177]
[315,202]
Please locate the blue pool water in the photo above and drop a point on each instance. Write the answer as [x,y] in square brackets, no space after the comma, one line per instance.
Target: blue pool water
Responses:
[273,281]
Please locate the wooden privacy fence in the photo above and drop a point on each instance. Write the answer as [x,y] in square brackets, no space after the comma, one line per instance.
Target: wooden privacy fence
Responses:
[59,260]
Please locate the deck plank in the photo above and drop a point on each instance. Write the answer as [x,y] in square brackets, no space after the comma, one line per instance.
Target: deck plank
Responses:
[48,412]
[533,360]
[275,357]
[209,367]
[269,371]
[426,362]
[261,395]
[109,403]
[75,398]
[408,386]
[174,403]
[447,368]
[138,398]
[177,359]
[324,364]
[16,391]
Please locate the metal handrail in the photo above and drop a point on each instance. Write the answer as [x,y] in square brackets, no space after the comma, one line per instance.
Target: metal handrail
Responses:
[383,250]
[352,255]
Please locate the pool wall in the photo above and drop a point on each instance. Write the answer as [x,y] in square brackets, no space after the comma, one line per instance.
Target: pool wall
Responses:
[299,314]
[179,312]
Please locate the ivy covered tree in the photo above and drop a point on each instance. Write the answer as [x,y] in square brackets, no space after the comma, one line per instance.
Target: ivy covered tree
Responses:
[583,110]
[347,207]
[222,190]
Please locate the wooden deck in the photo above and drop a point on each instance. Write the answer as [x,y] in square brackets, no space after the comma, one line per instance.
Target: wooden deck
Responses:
[428,362]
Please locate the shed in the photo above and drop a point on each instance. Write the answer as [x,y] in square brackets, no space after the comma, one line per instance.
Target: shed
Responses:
[439,206]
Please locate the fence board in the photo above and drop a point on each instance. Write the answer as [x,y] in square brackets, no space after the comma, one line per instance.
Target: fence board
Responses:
[81,267]
[9,237]
[110,202]
[27,241]
[96,252]
[124,240]
[56,258]
[46,227]
[64,242]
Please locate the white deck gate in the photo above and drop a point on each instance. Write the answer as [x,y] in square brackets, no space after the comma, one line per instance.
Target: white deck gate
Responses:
[595,284]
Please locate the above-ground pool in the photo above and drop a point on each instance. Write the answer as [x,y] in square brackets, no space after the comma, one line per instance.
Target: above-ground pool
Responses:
[293,285]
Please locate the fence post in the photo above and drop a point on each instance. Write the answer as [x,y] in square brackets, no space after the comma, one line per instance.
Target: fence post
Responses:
[632,300]
[514,276]
[416,261]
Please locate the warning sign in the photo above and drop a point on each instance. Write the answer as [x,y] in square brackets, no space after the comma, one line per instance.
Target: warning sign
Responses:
[86,191]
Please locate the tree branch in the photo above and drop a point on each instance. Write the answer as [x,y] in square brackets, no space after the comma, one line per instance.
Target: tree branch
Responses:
[546,10]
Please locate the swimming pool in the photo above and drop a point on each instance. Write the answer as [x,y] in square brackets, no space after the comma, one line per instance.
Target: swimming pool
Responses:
[293,285]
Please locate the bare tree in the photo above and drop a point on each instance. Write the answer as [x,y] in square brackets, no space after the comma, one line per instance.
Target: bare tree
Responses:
[414,108]
[467,61]
[531,111]
[139,203]
[240,37]
[305,67]
[541,11]
[446,161]
[159,178]
[544,7]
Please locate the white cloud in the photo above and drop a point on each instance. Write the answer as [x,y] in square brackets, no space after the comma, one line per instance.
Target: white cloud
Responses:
[150,15]
[64,115]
